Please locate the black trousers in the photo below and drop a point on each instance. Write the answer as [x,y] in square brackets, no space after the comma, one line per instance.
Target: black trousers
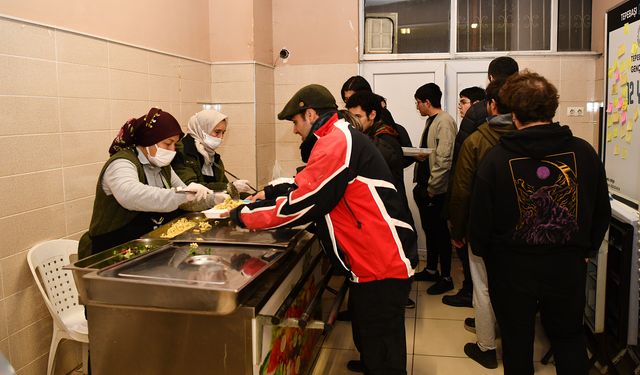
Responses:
[435,228]
[377,322]
[554,284]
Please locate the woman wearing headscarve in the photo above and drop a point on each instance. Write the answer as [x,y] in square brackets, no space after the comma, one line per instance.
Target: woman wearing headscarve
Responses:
[197,159]
[136,189]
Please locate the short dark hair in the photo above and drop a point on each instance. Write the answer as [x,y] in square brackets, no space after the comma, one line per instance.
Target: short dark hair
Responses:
[368,101]
[474,93]
[430,92]
[493,93]
[355,84]
[502,67]
[530,96]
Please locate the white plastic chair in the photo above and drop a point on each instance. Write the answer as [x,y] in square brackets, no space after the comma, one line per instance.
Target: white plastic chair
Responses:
[60,295]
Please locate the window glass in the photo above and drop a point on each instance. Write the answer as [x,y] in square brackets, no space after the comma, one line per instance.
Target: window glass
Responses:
[503,25]
[574,25]
[418,26]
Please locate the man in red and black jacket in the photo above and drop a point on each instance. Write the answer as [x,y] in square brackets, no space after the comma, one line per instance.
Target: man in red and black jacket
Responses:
[347,189]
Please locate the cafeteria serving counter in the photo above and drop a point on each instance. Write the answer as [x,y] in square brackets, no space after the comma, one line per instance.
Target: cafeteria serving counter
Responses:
[211,307]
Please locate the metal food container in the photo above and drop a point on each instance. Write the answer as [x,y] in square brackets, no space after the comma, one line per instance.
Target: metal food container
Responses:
[196,227]
[205,278]
[120,253]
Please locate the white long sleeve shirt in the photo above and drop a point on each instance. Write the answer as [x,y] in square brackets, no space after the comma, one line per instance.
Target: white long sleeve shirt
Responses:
[121,180]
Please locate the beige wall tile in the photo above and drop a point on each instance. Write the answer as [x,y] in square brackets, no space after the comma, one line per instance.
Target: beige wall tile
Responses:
[80,49]
[129,85]
[232,92]
[238,113]
[4,330]
[80,181]
[195,71]
[265,113]
[69,357]
[570,73]
[25,307]
[265,133]
[78,214]
[240,134]
[44,153]
[186,111]
[264,74]
[82,81]
[16,276]
[171,107]
[22,39]
[232,73]
[123,110]
[85,148]
[30,191]
[264,93]
[28,115]
[128,58]
[194,91]
[581,90]
[84,114]
[30,343]
[37,367]
[24,76]
[164,65]
[586,131]
[164,88]
[4,348]
[24,230]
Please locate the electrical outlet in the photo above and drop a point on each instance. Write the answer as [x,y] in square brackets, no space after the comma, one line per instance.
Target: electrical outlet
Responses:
[575,111]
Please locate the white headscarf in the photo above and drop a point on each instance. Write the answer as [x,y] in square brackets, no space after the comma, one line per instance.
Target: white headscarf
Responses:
[200,124]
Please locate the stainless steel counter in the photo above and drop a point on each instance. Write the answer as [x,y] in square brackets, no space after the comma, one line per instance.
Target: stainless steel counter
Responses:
[168,312]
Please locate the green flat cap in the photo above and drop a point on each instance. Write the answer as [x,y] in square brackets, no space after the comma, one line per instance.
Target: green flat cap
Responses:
[311,96]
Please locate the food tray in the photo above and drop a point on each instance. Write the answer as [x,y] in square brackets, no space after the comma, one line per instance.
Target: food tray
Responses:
[224,231]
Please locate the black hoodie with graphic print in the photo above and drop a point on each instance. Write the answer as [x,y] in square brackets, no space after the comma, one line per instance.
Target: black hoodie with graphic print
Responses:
[540,190]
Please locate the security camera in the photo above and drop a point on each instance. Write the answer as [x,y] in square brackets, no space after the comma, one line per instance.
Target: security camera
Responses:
[284,53]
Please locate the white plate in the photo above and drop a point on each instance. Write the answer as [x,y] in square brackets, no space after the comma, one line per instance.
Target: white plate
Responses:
[213,213]
[415,151]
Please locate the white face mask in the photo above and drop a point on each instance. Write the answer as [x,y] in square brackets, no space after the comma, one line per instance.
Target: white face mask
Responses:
[211,141]
[163,157]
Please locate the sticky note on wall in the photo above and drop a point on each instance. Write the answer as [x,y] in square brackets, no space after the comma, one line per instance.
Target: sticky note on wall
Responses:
[626,28]
[621,50]
[634,48]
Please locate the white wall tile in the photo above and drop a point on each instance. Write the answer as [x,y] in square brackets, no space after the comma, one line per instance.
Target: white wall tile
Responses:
[79,49]
[23,39]
[28,115]
[24,76]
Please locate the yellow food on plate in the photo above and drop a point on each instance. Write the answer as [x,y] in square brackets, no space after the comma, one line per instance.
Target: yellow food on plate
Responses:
[179,227]
[227,204]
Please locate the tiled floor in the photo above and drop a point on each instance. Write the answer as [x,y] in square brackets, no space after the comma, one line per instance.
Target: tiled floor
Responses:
[435,339]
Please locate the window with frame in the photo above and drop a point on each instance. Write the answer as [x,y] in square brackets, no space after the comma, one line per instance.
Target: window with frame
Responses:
[423,26]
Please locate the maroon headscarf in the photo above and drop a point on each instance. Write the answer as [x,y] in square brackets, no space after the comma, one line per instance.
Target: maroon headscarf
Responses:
[147,130]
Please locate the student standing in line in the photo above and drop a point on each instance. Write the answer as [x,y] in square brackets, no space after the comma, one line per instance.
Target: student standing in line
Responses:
[499,68]
[431,176]
[473,151]
[539,208]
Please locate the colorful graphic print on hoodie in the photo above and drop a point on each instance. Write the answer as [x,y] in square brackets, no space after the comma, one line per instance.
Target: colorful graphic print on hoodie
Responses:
[547,191]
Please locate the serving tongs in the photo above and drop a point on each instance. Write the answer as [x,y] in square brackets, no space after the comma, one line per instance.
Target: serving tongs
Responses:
[233,192]
[234,176]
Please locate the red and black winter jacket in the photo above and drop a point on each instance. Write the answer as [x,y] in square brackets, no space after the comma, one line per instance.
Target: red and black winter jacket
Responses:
[347,190]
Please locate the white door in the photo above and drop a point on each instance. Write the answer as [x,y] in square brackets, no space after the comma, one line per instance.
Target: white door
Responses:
[398,81]
[460,75]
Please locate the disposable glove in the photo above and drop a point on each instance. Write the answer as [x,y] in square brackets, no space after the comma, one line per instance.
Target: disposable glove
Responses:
[200,191]
[242,186]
